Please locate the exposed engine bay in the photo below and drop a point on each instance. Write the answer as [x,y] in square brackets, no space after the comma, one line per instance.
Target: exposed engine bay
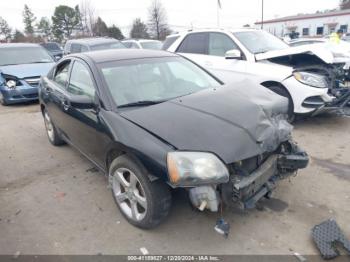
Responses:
[337,76]
[251,179]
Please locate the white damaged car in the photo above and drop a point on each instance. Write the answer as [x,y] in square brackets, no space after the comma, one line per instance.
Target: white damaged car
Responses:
[309,76]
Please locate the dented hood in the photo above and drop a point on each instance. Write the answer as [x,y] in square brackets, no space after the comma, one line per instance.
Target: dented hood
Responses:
[235,122]
[317,50]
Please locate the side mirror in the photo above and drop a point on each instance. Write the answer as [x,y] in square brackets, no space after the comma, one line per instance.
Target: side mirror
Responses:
[82,102]
[233,54]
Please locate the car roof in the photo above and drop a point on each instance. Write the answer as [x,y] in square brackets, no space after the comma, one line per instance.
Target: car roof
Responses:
[93,40]
[109,55]
[215,30]
[140,40]
[9,45]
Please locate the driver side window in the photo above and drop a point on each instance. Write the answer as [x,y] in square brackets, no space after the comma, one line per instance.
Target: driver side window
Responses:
[219,44]
[80,82]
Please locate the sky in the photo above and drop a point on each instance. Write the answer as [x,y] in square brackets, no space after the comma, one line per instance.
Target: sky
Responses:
[181,14]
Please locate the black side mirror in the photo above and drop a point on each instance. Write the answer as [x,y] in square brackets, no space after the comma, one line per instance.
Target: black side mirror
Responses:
[82,102]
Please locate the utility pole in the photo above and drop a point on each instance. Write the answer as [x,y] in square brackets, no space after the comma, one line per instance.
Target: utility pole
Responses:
[262,14]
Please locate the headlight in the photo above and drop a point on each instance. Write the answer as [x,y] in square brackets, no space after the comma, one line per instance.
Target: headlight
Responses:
[195,168]
[310,79]
[11,83]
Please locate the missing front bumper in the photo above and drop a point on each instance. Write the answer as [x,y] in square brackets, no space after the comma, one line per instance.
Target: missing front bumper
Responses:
[340,105]
[248,190]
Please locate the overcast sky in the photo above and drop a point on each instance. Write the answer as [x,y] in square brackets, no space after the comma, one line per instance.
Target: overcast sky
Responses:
[181,13]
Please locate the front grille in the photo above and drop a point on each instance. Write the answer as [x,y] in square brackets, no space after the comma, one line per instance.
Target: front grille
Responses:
[32,81]
[31,96]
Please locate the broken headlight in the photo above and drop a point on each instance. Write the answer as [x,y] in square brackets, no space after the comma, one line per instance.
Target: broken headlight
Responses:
[310,79]
[188,169]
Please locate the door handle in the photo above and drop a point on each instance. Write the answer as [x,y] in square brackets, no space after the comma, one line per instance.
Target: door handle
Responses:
[65,104]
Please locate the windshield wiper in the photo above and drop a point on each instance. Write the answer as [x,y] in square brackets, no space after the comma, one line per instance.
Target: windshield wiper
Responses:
[142,103]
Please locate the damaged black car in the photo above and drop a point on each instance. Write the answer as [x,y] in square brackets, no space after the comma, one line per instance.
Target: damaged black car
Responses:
[153,121]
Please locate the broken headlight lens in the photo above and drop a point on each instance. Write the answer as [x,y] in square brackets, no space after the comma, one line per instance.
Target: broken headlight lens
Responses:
[310,79]
[11,84]
[188,169]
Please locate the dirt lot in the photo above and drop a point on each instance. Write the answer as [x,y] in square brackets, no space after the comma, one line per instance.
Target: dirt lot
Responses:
[53,202]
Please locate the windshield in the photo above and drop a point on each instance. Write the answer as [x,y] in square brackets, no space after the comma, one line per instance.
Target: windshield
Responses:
[24,55]
[111,45]
[260,41]
[154,79]
[156,45]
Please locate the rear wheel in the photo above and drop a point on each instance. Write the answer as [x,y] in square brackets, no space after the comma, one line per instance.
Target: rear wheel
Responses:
[51,130]
[143,203]
[283,92]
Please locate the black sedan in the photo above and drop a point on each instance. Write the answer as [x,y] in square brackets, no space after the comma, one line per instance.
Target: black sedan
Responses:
[153,121]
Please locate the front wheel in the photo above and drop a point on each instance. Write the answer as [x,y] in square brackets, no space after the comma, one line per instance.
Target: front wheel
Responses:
[142,202]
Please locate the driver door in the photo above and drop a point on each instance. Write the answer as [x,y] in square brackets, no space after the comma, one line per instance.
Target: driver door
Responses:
[82,124]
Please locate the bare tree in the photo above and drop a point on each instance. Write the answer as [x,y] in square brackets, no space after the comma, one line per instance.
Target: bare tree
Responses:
[88,17]
[157,23]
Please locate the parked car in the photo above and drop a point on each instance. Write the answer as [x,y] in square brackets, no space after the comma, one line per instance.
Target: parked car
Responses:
[21,66]
[143,44]
[91,44]
[309,76]
[306,41]
[152,121]
[54,49]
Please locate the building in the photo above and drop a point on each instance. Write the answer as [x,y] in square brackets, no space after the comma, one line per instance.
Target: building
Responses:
[308,25]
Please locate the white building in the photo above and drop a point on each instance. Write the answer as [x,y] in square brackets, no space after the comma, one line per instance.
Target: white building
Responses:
[309,25]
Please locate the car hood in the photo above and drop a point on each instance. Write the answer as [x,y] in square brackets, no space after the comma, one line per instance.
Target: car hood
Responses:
[316,50]
[27,70]
[234,122]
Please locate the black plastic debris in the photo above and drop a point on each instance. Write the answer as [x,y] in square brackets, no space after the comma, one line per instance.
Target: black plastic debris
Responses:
[222,227]
[326,236]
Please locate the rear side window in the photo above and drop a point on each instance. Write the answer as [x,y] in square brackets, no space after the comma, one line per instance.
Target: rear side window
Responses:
[196,43]
[169,41]
[75,48]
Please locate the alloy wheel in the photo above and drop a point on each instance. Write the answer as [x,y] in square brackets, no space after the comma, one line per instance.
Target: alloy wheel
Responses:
[49,126]
[129,194]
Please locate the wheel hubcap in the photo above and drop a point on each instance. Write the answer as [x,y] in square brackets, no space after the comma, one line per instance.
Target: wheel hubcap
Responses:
[129,194]
[49,127]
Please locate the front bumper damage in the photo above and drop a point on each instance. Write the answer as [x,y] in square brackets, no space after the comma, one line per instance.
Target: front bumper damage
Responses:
[246,187]
[339,105]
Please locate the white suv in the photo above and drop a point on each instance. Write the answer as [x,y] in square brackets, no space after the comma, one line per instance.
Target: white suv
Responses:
[307,75]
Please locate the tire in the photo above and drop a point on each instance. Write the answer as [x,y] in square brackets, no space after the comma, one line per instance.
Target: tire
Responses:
[51,130]
[143,203]
[283,92]
[2,100]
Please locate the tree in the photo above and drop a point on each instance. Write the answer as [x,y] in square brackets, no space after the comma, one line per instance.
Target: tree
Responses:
[100,28]
[88,18]
[18,37]
[344,4]
[79,26]
[158,26]
[28,20]
[139,30]
[44,27]
[5,29]
[64,21]
[115,32]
